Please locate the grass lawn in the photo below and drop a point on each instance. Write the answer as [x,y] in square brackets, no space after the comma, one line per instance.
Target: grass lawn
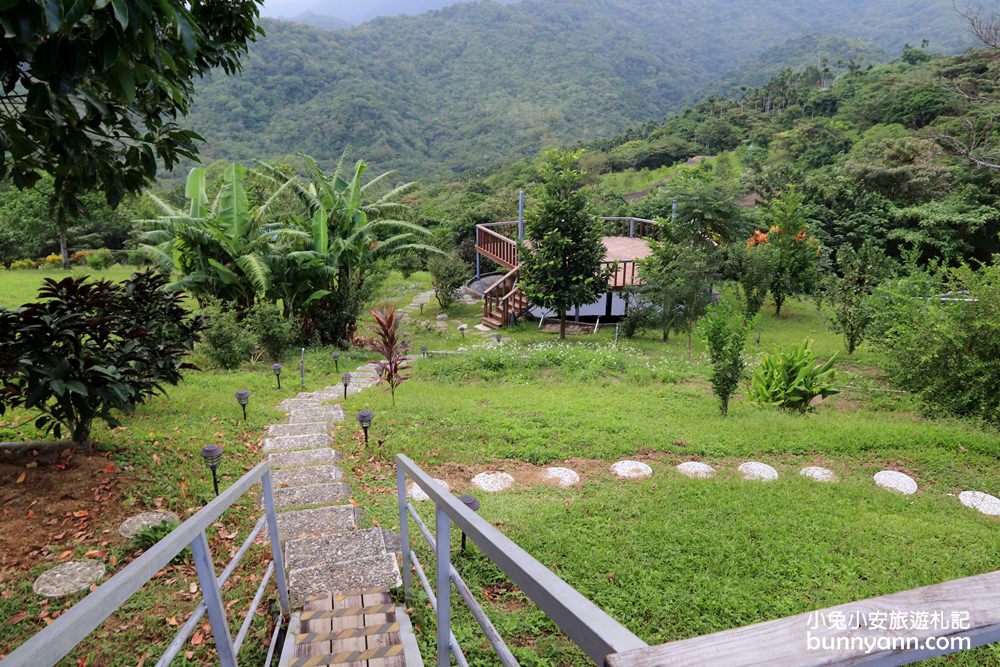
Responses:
[21,286]
[671,557]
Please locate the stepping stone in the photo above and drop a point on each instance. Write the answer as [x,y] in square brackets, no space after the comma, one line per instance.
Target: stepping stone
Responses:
[334,493]
[290,443]
[69,578]
[984,502]
[298,524]
[416,493]
[365,573]
[696,470]
[755,471]
[818,474]
[305,476]
[312,428]
[136,524]
[331,414]
[562,476]
[333,549]
[493,482]
[483,327]
[442,317]
[631,470]
[303,459]
[896,481]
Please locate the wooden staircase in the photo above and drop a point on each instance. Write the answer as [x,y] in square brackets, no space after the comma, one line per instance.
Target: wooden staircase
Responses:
[361,628]
[504,301]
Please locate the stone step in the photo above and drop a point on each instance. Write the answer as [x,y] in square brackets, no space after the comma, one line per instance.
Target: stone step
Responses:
[381,571]
[299,524]
[314,495]
[305,476]
[303,459]
[311,428]
[290,404]
[290,443]
[334,549]
[333,413]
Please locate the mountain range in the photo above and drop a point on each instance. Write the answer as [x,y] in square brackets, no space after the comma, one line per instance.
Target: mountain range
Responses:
[475,84]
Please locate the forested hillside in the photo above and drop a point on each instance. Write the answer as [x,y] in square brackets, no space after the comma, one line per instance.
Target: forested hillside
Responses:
[904,155]
[474,85]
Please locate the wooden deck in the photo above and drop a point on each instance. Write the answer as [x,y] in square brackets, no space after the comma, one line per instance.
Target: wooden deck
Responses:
[355,629]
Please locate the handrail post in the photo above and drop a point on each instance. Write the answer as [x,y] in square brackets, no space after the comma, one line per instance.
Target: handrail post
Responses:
[202,555]
[631,228]
[404,528]
[443,543]
[276,556]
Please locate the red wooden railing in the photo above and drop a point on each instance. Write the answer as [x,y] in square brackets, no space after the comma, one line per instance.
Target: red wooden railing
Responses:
[496,245]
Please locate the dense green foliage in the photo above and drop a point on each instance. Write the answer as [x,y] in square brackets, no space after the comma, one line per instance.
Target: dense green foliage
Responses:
[474,85]
[228,344]
[563,265]
[792,379]
[850,292]
[89,350]
[448,273]
[942,334]
[92,90]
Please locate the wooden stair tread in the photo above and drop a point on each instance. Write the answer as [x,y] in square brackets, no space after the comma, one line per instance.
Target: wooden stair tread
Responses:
[351,629]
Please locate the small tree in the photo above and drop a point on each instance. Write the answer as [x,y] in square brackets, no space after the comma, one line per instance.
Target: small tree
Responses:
[87,350]
[562,266]
[448,273]
[795,254]
[725,338]
[753,265]
[677,286]
[850,294]
[389,344]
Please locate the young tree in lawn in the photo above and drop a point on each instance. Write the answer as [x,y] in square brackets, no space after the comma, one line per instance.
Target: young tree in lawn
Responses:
[861,271]
[677,286]
[91,91]
[752,263]
[448,273]
[795,254]
[725,337]
[562,266]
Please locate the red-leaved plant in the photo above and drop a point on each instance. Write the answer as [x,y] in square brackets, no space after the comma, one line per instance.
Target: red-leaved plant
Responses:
[389,344]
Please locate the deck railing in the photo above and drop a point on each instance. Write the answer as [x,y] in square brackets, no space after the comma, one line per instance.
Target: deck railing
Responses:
[494,242]
[57,640]
[596,633]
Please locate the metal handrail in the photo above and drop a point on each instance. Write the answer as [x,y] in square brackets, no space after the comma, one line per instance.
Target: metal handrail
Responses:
[57,640]
[586,625]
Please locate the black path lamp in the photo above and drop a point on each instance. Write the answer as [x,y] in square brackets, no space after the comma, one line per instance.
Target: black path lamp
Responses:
[213,456]
[336,361]
[497,336]
[346,379]
[473,505]
[243,397]
[423,350]
[365,418]
[461,327]
[277,373]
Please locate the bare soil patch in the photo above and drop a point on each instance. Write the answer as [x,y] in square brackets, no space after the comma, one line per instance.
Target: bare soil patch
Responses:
[51,498]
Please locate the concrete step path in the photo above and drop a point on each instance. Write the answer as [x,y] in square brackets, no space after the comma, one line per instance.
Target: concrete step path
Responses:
[325,551]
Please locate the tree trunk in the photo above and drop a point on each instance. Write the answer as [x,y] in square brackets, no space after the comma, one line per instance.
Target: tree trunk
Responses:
[63,242]
[562,325]
[778,300]
[666,335]
[690,336]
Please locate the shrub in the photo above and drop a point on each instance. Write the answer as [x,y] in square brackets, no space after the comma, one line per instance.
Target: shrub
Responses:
[24,264]
[100,259]
[850,293]
[448,273]
[80,257]
[944,349]
[52,260]
[792,379]
[274,332]
[90,349]
[227,342]
[725,338]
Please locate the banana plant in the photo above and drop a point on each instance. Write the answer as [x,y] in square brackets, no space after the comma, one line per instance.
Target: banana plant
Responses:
[224,249]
